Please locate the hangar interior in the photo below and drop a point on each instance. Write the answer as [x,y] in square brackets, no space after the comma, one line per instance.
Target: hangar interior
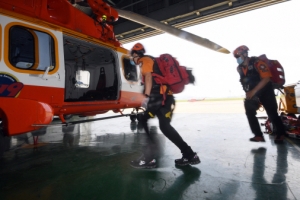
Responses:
[178,13]
[91,160]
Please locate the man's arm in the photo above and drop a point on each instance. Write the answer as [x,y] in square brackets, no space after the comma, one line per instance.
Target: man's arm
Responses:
[265,75]
[148,83]
[258,87]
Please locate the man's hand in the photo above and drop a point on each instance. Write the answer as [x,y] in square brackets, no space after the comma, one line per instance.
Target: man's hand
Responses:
[250,94]
[145,102]
[263,82]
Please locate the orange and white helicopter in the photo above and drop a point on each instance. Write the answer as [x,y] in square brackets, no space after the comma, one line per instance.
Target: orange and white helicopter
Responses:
[60,59]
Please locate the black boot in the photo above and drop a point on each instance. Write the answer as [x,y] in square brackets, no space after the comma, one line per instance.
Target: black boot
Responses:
[188,157]
[191,159]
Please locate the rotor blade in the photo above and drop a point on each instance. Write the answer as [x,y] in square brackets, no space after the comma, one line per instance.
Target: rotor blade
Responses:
[171,30]
[110,2]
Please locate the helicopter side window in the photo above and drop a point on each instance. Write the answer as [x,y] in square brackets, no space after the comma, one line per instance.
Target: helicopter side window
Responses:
[31,49]
[130,70]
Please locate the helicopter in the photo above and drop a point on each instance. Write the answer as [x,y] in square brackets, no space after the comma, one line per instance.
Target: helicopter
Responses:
[58,59]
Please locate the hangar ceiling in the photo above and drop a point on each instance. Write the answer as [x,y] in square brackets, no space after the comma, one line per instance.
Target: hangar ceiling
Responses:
[178,13]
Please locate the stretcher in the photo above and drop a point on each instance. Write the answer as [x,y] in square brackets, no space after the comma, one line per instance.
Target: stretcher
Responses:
[289,113]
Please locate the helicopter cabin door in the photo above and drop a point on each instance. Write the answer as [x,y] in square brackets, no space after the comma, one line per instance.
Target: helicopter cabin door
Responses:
[91,71]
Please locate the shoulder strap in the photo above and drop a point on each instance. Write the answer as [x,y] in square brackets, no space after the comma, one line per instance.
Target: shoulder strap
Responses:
[149,57]
[253,60]
[239,69]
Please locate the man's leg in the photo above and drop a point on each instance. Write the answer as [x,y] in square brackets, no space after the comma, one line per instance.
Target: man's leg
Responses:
[153,106]
[250,107]
[148,159]
[164,116]
[269,102]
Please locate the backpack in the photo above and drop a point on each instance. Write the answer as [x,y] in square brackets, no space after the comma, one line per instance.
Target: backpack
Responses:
[172,74]
[277,71]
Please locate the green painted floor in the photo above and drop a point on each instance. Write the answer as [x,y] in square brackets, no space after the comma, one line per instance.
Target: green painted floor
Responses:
[91,161]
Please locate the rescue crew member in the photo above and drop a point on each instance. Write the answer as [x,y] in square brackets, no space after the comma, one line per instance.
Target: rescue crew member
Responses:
[154,97]
[255,77]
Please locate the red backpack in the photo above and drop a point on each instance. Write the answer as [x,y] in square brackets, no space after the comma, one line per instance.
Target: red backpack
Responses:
[277,71]
[172,74]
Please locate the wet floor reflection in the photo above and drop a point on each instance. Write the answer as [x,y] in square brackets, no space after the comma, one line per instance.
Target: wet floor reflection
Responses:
[160,185]
[64,169]
[178,189]
[152,145]
[71,135]
[5,143]
[277,188]
[92,161]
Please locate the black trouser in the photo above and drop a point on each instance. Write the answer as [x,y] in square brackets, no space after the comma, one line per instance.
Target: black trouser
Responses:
[164,115]
[268,100]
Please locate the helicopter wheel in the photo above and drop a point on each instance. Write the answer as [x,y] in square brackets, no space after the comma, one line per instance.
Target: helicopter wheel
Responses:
[133,117]
[4,141]
[68,117]
[135,113]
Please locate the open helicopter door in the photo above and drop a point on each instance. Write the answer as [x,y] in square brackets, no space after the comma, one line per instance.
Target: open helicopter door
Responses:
[91,71]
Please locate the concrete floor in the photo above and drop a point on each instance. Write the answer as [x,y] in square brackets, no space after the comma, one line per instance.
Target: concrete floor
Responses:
[91,160]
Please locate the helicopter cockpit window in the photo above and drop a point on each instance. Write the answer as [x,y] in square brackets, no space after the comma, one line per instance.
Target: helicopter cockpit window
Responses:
[31,49]
[130,70]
